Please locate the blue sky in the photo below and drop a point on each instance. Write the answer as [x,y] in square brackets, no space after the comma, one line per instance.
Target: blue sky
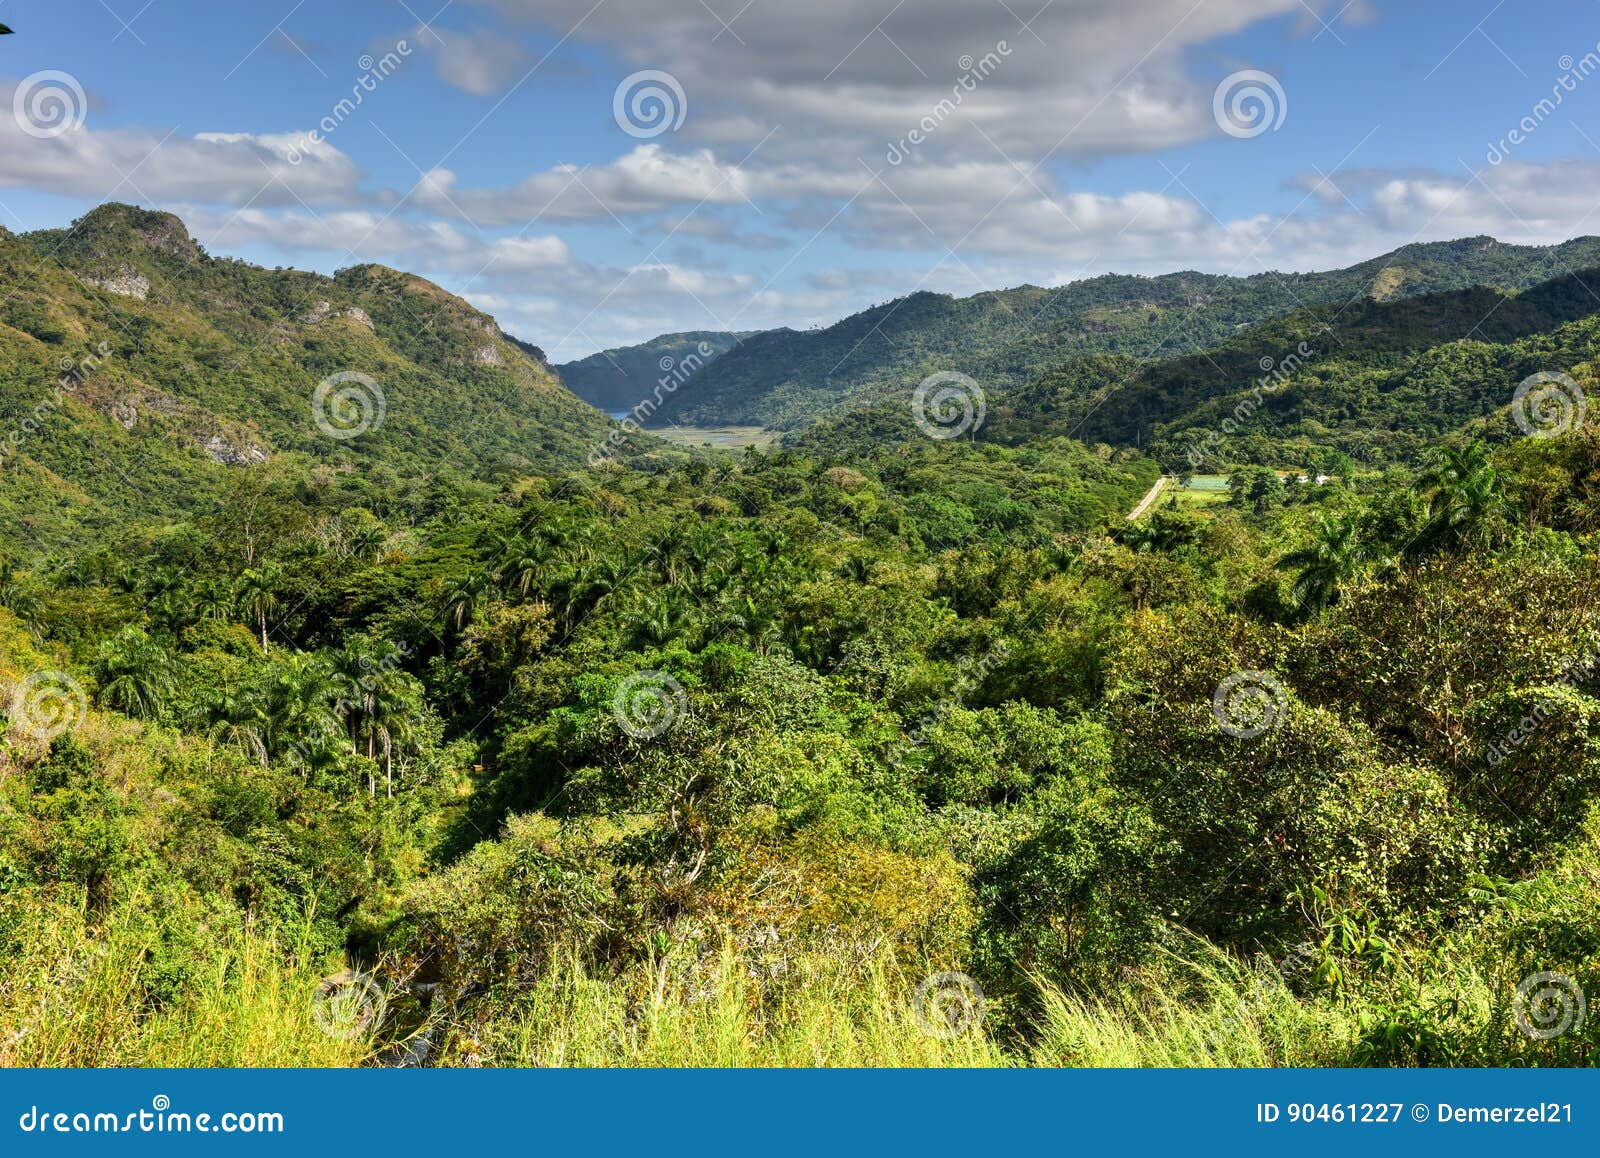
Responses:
[491,155]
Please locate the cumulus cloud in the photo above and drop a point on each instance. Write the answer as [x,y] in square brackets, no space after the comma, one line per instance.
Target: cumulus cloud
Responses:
[1074,77]
[226,168]
[647,179]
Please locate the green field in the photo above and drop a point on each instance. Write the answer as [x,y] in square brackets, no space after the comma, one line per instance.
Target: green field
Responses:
[717,437]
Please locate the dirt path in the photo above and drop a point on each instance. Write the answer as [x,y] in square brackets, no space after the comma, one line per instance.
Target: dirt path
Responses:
[1144,503]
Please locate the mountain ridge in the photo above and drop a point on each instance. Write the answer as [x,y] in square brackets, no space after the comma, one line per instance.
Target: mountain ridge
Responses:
[1003,338]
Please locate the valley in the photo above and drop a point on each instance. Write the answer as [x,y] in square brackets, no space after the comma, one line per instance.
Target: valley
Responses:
[347,651]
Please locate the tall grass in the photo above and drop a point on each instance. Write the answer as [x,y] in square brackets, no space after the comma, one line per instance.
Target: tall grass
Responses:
[80,996]
[1207,1009]
[75,997]
[722,1017]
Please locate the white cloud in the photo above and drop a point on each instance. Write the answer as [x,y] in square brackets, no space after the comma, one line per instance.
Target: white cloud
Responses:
[646,180]
[225,168]
[845,78]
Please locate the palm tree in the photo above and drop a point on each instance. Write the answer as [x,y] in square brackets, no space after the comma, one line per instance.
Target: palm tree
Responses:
[857,568]
[759,627]
[393,708]
[211,599]
[465,598]
[585,586]
[1463,493]
[519,560]
[300,691]
[1332,559]
[239,720]
[658,621]
[134,673]
[353,670]
[368,542]
[257,597]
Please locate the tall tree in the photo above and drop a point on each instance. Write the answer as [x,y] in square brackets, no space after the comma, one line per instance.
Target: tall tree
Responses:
[1332,559]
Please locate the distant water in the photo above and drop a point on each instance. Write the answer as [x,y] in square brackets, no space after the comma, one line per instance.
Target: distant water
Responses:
[620,414]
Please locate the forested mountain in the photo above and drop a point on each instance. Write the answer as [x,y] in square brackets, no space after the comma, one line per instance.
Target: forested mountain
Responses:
[1379,381]
[620,378]
[139,374]
[1004,339]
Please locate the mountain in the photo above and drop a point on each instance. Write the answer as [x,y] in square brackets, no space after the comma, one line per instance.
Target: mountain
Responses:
[138,373]
[1004,339]
[1376,380]
[619,378]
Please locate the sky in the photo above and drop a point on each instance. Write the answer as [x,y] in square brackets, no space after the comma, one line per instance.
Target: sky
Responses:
[597,172]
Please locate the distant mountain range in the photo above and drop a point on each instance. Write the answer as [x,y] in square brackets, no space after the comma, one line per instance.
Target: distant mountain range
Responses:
[138,374]
[1379,382]
[1004,339]
[619,379]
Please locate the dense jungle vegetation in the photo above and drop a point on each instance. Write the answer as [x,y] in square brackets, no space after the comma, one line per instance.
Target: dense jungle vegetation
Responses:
[437,746]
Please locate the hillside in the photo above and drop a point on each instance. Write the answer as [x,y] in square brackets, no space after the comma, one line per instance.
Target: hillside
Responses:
[139,374]
[1376,380]
[789,378]
[619,378]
